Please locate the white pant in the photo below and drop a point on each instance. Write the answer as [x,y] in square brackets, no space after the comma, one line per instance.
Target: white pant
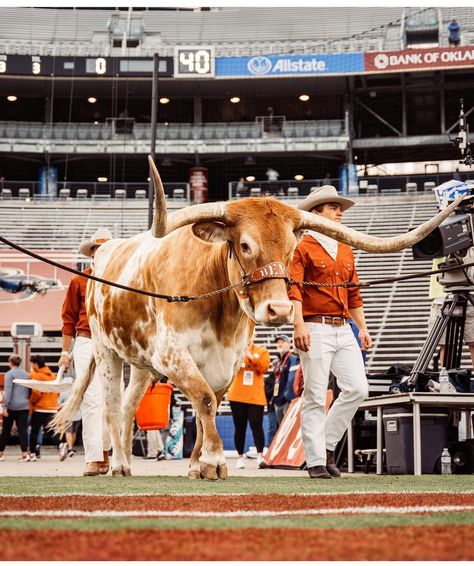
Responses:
[335,349]
[95,435]
[155,443]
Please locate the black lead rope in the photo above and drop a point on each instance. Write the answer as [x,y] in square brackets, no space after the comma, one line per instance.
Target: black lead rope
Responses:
[186,298]
[169,298]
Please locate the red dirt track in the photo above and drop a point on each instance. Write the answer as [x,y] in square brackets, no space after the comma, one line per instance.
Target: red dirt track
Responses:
[216,503]
[395,543]
[446,542]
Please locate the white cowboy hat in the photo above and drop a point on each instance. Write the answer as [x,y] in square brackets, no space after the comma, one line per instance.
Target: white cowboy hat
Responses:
[99,237]
[322,195]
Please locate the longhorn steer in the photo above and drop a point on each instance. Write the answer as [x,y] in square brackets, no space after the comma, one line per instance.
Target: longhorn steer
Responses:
[198,345]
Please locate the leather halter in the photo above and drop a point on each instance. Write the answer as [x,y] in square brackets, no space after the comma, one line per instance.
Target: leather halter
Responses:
[272,270]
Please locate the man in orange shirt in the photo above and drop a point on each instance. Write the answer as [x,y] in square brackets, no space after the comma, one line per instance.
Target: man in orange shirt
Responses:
[247,400]
[323,335]
[75,328]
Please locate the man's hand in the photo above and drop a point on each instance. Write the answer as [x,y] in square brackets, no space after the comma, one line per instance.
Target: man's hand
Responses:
[365,339]
[65,361]
[302,338]
[5,413]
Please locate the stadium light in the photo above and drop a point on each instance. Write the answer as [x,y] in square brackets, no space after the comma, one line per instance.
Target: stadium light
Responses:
[164,100]
[12,98]
[102,179]
[298,177]
[250,178]
[303,97]
[235,100]
[92,100]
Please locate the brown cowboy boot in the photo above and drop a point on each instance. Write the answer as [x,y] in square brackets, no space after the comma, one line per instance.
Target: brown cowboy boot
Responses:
[92,469]
[331,464]
[104,466]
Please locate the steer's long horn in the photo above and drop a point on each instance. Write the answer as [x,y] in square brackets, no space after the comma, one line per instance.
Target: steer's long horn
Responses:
[158,227]
[208,212]
[372,243]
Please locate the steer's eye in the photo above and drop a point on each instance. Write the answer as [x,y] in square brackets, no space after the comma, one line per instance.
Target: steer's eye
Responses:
[245,247]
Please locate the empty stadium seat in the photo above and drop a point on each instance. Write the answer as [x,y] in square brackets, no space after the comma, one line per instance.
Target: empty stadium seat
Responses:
[23,193]
[255,192]
[411,187]
[140,193]
[6,194]
[81,194]
[313,189]
[178,193]
[293,192]
[372,189]
[64,194]
[120,193]
[428,186]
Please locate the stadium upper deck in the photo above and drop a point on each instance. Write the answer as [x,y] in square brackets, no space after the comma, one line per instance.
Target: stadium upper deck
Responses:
[233,31]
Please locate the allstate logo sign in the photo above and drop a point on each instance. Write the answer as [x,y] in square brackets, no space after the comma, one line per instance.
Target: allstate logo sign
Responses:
[259,65]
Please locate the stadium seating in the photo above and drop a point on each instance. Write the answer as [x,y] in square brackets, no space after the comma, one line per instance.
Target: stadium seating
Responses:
[165,29]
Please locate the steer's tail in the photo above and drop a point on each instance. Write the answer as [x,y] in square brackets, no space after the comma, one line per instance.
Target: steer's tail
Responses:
[73,404]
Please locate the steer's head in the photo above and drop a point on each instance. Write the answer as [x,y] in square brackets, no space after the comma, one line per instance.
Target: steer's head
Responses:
[264,232]
[261,239]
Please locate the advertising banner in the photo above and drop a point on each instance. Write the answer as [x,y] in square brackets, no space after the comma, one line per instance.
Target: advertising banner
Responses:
[419,59]
[48,181]
[287,65]
[198,184]
[286,449]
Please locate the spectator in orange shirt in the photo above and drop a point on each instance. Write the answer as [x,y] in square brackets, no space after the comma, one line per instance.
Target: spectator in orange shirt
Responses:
[43,405]
[247,400]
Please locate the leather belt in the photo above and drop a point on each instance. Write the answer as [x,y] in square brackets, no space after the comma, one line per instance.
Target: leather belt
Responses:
[84,334]
[332,320]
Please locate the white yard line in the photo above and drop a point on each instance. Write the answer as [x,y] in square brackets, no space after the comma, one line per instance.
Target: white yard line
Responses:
[383,510]
[302,494]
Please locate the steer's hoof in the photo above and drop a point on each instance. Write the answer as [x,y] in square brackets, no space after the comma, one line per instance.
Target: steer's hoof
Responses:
[222,471]
[208,472]
[194,474]
[121,471]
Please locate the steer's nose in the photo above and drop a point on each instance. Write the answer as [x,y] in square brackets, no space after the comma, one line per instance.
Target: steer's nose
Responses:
[278,312]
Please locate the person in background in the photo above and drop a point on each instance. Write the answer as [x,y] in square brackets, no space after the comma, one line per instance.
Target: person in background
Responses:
[284,373]
[323,335]
[327,179]
[66,447]
[43,405]
[76,328]
[242,190]
[16,404]
[247,400]
[454,29]
[272,423]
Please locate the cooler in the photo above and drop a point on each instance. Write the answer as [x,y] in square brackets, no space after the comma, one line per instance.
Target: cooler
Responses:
[398,435]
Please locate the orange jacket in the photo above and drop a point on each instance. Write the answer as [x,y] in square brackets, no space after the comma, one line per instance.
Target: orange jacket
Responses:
[248,385]
[311,262]
[74,307]
[40,401]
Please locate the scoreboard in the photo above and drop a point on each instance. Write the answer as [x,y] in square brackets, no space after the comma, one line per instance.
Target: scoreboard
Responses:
[188,62]
[47,66]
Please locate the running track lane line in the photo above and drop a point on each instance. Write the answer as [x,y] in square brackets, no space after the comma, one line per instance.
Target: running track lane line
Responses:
[231,514]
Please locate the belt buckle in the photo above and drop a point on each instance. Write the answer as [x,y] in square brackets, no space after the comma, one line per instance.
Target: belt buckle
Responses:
[339,319]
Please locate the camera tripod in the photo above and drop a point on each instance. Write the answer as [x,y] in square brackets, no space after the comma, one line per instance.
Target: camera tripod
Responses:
[451,321]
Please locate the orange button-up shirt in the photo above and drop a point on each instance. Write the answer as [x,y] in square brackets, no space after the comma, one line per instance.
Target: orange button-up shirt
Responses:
[74,307]
[311,262]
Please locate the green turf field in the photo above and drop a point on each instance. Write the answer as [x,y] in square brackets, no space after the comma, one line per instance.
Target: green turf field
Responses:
[164,485]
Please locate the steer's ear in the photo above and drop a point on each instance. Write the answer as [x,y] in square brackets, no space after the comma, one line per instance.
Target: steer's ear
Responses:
[211,231]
